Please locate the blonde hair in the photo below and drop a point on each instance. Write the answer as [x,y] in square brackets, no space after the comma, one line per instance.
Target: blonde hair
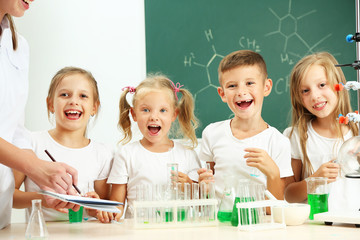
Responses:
[185,105]
[67,71]
[242,58]
[13,31]
[301,116]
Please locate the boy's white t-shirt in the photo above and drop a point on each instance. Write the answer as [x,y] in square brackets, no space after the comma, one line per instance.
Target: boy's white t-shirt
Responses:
[220,146]
[135,165]
[344,192]
[92,162]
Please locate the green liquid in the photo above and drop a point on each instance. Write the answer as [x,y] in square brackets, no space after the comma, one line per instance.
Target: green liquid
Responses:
[169,216]
[244,213]
[224,216]
[318,203]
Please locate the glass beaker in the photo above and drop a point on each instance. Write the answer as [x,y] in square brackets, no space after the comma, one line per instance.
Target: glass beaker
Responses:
[227,201]
[36,228]
[318,194]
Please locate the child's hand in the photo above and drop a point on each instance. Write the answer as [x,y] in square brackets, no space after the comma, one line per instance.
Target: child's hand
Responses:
[205,175]
[90,211]
[261,160]
[106,217]
[329,170]
[183,178]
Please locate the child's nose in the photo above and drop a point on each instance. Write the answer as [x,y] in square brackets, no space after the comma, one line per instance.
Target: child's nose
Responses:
[153,117]
[74,100]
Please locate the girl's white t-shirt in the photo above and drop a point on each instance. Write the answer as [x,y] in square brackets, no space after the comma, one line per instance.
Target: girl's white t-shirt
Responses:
[344,192]
[135,165]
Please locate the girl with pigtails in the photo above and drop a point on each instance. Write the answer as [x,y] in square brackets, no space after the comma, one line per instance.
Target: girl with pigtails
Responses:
[155,106]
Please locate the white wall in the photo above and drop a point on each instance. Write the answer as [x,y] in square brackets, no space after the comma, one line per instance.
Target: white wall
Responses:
[106,37]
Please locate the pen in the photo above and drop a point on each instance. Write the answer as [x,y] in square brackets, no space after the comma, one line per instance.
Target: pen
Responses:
[53,159]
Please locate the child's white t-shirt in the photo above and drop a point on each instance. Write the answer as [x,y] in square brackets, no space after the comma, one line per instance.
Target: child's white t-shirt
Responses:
[344,192]
[135,165]
[92,162]
[220,146]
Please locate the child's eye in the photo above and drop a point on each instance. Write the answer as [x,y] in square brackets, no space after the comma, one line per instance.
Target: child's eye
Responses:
[250,83]
[304,91]
[163,110]
[146,110]
[322,84]
[64,95]
[83,95]
[231,86]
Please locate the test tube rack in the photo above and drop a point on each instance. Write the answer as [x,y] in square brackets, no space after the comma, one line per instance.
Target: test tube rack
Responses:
[264,223]
[184,213]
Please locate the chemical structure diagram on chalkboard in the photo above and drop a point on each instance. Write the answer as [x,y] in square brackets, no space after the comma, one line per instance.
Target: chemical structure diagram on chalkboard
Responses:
[287,28]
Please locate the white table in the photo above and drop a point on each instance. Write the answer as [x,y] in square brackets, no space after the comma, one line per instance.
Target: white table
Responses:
[96,230]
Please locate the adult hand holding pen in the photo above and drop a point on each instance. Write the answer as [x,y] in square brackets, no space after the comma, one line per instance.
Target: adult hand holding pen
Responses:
[57,176]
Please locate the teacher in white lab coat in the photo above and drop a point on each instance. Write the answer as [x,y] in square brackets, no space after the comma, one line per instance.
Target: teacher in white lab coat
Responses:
[14,143]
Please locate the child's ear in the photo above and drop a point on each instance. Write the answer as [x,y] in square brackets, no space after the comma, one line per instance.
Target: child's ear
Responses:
[133,113]
[176,113]
[50,105]
[95,108]
[221,93]
[267,87]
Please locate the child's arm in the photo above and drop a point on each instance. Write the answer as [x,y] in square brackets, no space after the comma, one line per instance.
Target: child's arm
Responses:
[261,160]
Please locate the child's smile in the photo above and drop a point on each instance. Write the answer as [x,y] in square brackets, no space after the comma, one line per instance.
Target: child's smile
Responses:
[73,114]
[244,104]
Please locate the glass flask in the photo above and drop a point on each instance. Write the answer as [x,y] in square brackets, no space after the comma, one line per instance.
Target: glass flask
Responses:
[227,201]
[36,228]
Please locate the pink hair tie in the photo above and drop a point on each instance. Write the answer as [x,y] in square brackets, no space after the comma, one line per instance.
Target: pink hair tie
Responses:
[131,89]
[176,88]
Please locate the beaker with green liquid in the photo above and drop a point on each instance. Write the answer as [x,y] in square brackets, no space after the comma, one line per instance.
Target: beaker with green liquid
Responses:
[227,201]
[318,194]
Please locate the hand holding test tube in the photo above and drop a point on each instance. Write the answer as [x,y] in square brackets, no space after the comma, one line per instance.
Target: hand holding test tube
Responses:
[206,174]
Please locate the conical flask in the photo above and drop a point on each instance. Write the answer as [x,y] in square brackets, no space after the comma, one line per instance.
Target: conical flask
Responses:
[227,201]
[36,228]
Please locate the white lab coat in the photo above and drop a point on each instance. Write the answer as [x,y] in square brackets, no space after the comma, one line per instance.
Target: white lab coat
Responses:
[14,67]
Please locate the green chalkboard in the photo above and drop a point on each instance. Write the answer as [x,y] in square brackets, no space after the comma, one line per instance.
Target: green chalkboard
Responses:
[187,39]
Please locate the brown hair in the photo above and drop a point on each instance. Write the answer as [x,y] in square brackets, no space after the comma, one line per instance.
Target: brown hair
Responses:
[64,72]
[185,105]
[300,115]
[241,58]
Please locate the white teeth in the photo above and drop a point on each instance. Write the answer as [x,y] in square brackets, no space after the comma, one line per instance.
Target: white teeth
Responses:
[73,112]
[319,105]
[153,125]
[28,2]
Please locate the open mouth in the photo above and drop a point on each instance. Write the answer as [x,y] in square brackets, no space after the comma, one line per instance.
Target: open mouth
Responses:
[154,129]
[245,103]
[73,114]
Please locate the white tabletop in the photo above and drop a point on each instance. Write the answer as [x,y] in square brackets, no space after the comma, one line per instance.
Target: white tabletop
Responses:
[96,230]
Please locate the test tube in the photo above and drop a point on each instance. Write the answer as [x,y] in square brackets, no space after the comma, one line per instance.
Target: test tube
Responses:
[203,195]
[187,197]
[195,195]
[172,173]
